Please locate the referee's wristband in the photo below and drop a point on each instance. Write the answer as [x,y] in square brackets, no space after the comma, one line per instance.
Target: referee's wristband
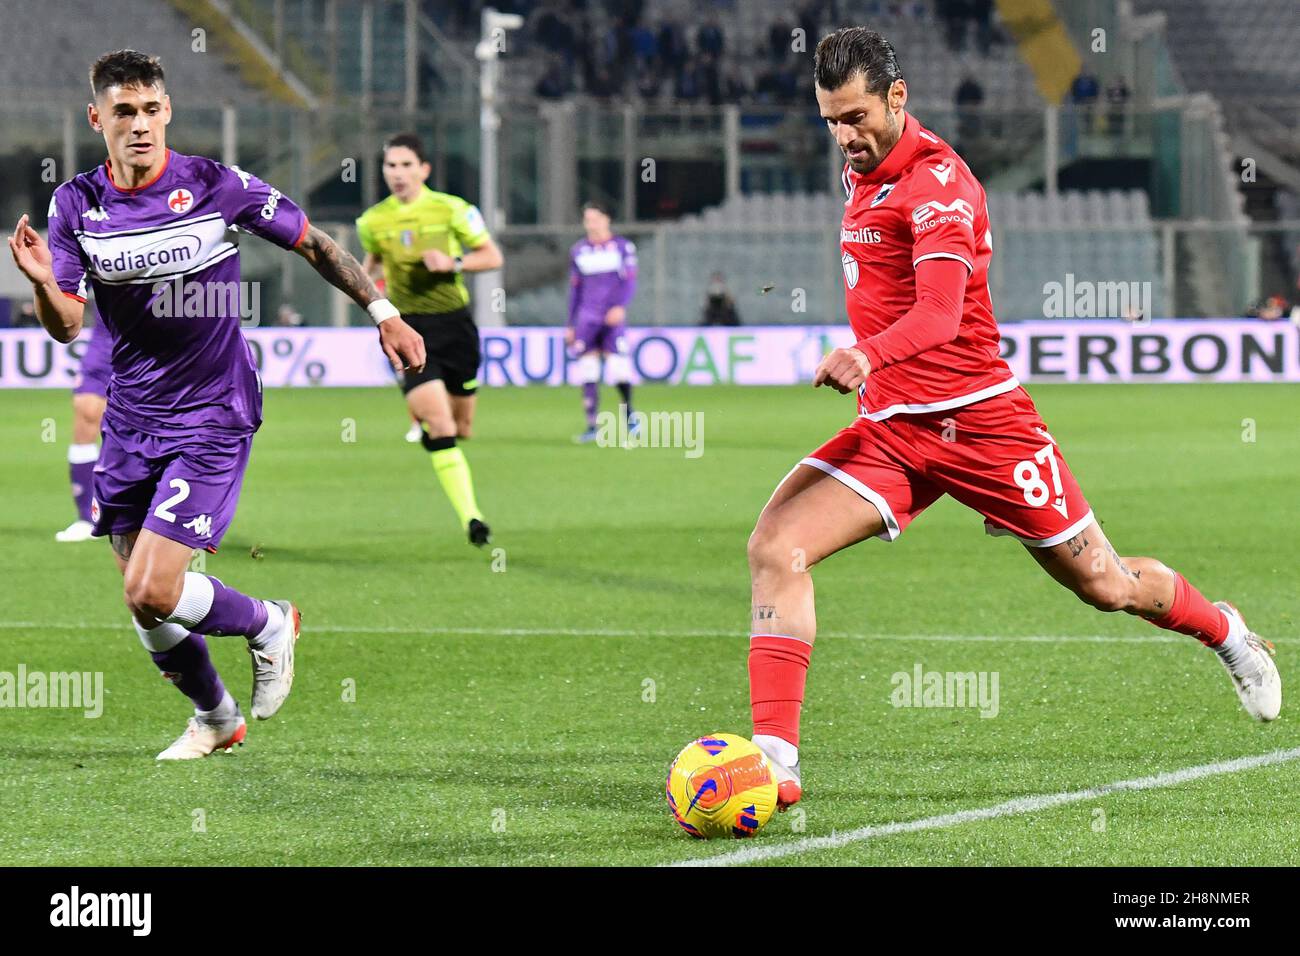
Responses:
[381,309]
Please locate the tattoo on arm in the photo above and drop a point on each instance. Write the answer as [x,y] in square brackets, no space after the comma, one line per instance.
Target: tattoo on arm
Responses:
[338,266]
[1076,545]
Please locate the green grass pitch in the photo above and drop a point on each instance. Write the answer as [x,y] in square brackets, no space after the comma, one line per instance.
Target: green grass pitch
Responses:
[454,706]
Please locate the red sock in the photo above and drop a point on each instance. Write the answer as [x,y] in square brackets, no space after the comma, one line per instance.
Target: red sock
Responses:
[1192,614]
[778,667]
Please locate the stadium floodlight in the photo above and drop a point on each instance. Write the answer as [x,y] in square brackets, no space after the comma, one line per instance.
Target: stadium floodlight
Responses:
[491,45]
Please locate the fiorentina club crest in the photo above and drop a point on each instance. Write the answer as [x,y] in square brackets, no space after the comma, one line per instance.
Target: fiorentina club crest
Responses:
[94,510]
[179,200]
[850,270]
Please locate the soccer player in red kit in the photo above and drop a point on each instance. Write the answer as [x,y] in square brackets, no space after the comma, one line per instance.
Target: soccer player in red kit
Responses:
[939,413]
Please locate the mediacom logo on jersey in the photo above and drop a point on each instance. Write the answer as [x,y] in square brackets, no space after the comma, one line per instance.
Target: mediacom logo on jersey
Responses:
[171,251]
[934,213]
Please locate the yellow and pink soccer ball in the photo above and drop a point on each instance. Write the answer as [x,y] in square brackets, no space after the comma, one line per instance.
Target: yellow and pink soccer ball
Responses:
[721,786]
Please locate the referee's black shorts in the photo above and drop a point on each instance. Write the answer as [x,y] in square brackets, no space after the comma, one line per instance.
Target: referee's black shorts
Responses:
[451,342]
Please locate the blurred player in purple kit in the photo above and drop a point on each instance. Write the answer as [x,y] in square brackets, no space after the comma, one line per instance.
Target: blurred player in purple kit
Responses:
[88,400]
[602,279]
[147,229]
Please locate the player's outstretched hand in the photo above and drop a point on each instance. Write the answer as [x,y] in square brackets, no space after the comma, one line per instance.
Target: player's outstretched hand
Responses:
[843,370]
[31,254]
[402,344]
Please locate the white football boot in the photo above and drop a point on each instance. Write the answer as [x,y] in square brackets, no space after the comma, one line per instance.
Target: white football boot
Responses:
[273,665]
[202,738]
[1253,673]
[415,432]
[77,531]
[789,791]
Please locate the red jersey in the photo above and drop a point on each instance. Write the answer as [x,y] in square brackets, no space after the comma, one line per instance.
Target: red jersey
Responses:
[922,203]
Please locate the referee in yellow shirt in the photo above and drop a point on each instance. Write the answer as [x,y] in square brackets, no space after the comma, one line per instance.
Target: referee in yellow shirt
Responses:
[421,243]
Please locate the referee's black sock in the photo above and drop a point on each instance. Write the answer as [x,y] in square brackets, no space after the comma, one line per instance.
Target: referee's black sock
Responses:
[437,444]
[625,390]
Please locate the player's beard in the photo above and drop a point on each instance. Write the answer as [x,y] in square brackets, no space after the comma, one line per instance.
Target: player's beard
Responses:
[884,144]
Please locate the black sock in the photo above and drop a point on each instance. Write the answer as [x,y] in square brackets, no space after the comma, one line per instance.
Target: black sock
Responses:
[437,444]
[625,390]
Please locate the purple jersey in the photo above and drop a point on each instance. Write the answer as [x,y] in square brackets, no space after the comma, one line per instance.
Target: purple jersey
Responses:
[96,362]
[601,275]
[166,281]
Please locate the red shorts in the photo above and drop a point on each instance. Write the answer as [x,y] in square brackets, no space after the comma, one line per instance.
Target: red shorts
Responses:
[994,456]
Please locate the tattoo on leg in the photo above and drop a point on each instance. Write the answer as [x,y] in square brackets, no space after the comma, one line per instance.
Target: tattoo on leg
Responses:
[122,545]
[1076,545]
[763,612]
[1119,562]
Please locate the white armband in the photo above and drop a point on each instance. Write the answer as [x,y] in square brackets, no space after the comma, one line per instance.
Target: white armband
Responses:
[382,309]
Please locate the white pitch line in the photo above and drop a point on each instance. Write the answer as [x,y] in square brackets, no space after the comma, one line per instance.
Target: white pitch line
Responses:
[624,632]
[758,854]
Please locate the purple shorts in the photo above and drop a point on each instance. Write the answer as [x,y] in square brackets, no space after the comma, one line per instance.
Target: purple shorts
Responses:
[595,334]
[96,365]
[184,489]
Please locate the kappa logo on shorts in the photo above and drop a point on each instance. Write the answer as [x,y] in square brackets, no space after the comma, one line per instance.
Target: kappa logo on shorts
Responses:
[201,526]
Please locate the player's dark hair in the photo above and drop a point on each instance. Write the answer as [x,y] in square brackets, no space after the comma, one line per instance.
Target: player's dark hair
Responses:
[845,53]
[599,206]
[410,141]
[125,68]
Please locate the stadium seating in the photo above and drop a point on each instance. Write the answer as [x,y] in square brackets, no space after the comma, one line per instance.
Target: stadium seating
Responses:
[932,70]
[48,46]
[1233,50]
[768,246]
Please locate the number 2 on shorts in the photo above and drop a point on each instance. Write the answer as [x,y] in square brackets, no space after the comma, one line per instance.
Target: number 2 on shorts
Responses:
[183,491]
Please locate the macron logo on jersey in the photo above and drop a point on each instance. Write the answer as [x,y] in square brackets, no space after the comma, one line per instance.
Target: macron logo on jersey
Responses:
[943,172]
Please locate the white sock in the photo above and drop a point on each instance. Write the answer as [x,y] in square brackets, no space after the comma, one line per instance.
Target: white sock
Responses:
[778,748]
[83,454]
[195,601]
[224,712]
[163,637]
[1234,645]
[274,621]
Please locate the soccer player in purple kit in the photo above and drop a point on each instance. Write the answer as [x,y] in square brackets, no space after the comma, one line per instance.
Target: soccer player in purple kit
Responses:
[602,279]
[88,400]
[185,397]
